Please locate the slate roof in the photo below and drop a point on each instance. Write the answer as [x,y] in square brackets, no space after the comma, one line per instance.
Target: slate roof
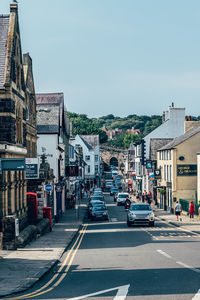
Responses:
[180,139]
[4,24]
[48,118]
[92,140]
[156,144]
[86,143]
[52,98]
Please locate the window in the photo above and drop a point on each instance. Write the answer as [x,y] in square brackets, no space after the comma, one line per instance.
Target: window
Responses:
[170,156]
[96,169]
[167,173]
[170,173]
[167,155]
[96,157]
[88,169]
[164,172]
[87,157]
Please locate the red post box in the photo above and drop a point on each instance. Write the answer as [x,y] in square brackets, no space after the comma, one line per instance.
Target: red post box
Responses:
[32,204]
[47,214]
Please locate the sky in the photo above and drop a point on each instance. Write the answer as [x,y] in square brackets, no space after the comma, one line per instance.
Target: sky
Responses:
[116,57]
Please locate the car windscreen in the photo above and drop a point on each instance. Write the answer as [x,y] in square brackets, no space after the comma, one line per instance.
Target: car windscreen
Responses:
[97,198]
[96,202]
[140,207]
[123,196]
[99,208]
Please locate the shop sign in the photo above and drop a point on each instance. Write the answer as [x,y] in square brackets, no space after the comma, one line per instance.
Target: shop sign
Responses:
[71,171]
[151,176]
[148,164]
[157,174]
[32,170]
[186,170]
[13,164]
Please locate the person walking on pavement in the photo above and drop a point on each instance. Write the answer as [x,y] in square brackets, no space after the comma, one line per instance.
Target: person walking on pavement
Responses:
[178,210]
[192,210]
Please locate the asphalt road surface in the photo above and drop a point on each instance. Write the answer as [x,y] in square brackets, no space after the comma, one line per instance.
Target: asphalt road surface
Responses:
[108,260]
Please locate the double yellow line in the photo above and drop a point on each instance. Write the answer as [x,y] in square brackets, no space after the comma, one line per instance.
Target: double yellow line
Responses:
[55,281]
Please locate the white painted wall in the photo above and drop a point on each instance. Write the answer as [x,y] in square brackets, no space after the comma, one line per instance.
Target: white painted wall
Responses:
[86,152]
[171,128]
[50,143]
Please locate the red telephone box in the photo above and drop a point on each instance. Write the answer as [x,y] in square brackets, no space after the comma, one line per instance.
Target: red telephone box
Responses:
[32,204]
[47,214]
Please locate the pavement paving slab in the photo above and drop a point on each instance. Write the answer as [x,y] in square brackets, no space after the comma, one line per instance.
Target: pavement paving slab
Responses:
[20,269]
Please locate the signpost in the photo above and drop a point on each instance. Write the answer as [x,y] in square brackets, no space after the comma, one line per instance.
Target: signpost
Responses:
[48,187]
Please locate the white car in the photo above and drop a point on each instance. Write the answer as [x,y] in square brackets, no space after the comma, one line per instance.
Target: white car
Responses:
[121,198]
[140,214]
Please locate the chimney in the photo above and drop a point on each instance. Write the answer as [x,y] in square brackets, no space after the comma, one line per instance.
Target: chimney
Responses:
[14,7]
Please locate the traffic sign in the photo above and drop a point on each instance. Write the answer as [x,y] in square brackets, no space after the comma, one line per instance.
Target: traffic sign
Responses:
[48,187]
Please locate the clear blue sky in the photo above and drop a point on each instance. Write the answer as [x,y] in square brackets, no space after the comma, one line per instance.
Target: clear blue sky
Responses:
[114,56]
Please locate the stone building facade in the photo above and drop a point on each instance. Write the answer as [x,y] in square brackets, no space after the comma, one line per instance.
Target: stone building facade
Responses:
[13,126]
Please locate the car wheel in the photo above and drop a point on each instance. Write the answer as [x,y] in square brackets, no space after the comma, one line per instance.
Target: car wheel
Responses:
[151,224]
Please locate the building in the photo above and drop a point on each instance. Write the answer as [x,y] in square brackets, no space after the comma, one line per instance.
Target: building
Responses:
[53,141]
[91,155]
[15,130]
[178,164]
[171,127]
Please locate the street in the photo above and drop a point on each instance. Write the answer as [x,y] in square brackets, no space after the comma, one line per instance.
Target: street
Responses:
[108,260]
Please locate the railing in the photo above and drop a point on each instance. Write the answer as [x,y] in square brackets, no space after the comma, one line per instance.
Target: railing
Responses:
[186,204]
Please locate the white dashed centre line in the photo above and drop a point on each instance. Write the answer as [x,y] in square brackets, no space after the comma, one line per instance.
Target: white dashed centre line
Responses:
[164,253]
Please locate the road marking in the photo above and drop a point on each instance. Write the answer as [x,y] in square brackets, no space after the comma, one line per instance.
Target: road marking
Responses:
[194,234]
[164,253]
[73,252]
[113,219]
[122,292]
[197,296]
[188,267]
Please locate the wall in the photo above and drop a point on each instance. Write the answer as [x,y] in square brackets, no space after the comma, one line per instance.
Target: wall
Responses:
[171,128]
[49,142]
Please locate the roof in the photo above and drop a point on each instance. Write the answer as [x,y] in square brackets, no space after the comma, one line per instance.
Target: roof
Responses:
[48,118]
[156,144]
[52,98]
[4,24]
[180,139]
[92,140]
[85,142]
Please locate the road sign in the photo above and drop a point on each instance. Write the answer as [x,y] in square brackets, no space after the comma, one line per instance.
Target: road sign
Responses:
[48,187]
[32,168]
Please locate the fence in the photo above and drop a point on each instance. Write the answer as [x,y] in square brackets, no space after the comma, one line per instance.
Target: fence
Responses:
[186,203]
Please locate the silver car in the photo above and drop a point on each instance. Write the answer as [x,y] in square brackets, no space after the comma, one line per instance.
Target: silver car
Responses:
[140,214]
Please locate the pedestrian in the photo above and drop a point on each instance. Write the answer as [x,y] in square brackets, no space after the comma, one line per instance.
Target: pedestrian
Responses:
[192,210]
[178,210]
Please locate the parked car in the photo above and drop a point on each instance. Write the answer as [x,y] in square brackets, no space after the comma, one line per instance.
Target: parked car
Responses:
[140,214]
[99,212]
[114,191]
[121,198]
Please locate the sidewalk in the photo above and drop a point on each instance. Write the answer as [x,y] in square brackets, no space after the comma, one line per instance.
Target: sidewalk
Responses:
[186,223]
[20,269]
